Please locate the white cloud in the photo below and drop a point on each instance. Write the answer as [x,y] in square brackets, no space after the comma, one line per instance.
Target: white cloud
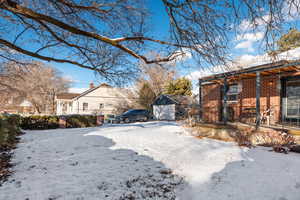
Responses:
[206,72]
[250,36]
[290,8]
[247,25]
[70,78]
[245,45]
[290,11]
[183,55]
[77,90]
[245,59]
[195,75]
[7,50]
[247,40]
[195,90]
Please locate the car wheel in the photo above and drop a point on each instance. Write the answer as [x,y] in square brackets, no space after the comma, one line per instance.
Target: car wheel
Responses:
[127,120]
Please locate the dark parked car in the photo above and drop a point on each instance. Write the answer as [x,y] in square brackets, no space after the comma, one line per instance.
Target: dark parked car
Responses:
[134,115]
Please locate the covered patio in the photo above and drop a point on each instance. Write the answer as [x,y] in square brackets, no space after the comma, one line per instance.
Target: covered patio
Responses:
[264,95]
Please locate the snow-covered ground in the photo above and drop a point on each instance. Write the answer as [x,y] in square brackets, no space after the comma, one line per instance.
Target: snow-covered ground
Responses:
[131,161]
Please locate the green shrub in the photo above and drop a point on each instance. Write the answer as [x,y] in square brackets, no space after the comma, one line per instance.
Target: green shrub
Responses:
[80,121]
[10,125]
[52,122]
[39,122]
[9,129]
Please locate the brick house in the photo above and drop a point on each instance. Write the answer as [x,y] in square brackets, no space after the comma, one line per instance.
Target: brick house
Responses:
[268,94]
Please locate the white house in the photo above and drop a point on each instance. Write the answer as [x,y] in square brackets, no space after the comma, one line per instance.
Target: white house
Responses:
[103,99]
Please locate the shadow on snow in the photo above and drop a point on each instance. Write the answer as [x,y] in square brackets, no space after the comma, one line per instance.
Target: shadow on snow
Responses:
[52,165]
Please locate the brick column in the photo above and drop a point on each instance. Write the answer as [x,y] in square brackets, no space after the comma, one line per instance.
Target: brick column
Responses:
[225,114]
[200,99]
[62,122]
[100,120]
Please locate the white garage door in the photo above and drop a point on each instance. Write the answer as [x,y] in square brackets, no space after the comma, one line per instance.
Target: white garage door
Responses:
[164,112]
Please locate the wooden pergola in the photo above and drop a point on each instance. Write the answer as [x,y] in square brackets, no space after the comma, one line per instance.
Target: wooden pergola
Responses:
[282,68]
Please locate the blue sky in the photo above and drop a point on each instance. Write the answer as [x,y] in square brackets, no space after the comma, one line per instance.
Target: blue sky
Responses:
[82,77]
[245,46]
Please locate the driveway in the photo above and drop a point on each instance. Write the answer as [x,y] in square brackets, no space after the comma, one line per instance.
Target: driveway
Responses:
[152,160]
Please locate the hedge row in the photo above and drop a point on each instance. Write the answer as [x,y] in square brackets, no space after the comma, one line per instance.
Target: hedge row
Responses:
[9,129]
[11,125]
[80,121]
[39,122]
[52,122]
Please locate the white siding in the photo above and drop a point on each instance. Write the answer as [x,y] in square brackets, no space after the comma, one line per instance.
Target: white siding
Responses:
[110,98]
[63,107]
[164,112]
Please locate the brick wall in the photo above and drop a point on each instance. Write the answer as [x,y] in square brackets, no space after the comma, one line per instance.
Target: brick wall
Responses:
[211,102]
[270,98]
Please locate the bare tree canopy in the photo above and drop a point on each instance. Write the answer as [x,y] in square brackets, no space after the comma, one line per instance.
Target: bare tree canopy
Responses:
[34,82]
[105,35]
[156,76]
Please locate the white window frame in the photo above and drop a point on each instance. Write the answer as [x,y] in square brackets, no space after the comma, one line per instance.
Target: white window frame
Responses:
[87,106]
[101,106]
[235,93]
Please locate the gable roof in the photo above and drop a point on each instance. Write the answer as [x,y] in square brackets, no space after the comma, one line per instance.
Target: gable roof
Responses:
[67,95]
[181,99]
[75,96]
[26,103]
[167,99]
[92,89]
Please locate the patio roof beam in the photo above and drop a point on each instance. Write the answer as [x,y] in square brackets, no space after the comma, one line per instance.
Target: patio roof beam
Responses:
[250,70]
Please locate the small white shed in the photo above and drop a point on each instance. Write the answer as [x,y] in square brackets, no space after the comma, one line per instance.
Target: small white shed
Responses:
[164,112]
[171,107]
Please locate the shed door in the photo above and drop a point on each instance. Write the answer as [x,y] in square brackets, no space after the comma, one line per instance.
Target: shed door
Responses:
[164,112]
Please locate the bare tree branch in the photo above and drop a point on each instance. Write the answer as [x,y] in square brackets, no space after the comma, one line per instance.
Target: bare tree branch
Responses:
[46,58]
[104,35]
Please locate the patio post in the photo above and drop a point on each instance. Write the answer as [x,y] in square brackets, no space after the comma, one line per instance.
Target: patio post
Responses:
[258,85]
[225,114]
[200,99]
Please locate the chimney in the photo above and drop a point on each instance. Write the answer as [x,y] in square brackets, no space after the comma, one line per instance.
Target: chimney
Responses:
[92,85]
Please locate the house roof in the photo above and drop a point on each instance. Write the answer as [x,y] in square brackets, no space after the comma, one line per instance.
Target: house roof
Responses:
[77,95]
[26,103]
[167,99]
[248,61]
[92,89]
[180,99]
[279,67]
[67,95]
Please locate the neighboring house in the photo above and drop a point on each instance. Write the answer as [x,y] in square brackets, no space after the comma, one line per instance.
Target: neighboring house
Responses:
[172,107]
[103,99]
[268,93]
[26,107]
[17,106]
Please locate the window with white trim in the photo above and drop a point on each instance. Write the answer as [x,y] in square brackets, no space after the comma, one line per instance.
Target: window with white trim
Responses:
[101,105]
[233,93]
[85,106]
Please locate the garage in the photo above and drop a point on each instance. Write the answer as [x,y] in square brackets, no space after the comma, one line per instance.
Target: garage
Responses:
[171,107]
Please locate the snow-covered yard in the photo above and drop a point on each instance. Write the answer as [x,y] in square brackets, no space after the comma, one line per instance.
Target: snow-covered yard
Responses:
[131,161]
